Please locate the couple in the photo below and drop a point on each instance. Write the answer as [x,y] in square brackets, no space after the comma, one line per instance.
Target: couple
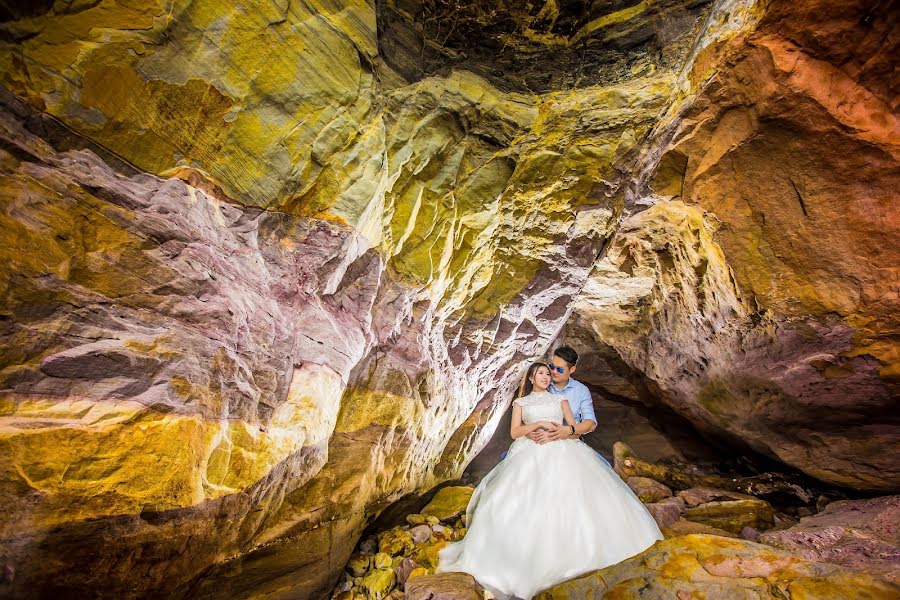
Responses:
[553,508]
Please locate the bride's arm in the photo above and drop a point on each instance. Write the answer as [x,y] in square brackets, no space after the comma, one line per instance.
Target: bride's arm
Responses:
[518,429]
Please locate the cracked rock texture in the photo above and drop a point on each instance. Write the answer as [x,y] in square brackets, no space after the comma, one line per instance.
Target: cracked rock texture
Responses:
[270,267]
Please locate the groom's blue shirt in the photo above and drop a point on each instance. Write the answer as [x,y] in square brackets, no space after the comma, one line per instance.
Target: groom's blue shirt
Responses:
[579,397]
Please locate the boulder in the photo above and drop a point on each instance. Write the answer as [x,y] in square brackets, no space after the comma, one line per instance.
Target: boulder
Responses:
[701,495]
[449,503]
[415,519]
[383,561]
[420,533]
[685,527]
[648,490]
[378,583]
[403,570]
[683,477]
[427,555]
[718,568]
[862,535]
[359,564]
[733,515]
[444,586]
[395,541]
[665,514]
[441,533]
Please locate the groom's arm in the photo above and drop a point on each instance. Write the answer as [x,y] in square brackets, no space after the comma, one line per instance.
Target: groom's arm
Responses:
[587,424]
[588,421]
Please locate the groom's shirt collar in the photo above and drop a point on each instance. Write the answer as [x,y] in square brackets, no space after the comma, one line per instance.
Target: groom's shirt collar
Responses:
[562,389]
[579,397]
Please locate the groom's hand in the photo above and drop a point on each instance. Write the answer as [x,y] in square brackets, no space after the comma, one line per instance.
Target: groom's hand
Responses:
[558,432]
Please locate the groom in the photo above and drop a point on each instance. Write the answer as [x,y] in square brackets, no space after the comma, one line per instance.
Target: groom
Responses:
[562,366]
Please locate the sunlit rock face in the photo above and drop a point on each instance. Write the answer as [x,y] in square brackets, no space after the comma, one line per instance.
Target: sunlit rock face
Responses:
[759,291]
[327,312]
[269,268]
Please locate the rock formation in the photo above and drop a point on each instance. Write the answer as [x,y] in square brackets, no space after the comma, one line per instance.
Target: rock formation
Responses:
[269,268]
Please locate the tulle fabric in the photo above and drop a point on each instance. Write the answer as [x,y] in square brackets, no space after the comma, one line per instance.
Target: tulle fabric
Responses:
[547,513]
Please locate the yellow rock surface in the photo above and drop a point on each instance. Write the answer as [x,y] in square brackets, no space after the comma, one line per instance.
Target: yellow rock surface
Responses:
[718,568]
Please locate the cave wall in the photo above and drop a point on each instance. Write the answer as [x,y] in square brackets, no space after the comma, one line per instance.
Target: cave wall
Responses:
[269,268]
[758,289]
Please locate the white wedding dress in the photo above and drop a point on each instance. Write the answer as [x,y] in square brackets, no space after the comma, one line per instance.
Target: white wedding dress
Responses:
[547,513]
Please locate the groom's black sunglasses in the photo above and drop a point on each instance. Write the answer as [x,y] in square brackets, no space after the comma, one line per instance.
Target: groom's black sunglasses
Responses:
[553,367]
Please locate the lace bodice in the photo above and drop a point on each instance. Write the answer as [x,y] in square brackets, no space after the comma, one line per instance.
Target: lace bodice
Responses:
[540,406]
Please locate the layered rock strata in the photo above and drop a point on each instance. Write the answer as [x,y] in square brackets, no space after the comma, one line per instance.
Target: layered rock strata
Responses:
[753,289]
[268,270]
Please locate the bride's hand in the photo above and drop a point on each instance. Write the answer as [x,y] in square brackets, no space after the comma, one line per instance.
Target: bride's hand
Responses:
[558,432]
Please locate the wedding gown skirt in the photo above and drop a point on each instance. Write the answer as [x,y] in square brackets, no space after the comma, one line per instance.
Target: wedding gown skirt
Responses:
[547,513]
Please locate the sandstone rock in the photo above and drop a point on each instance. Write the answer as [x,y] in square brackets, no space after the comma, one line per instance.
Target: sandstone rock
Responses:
[378,583]
[421,533]
[627,464]
[685,527]
[427,554]
[717,568]
[444,586]
[665,514]
[701,495]
[343,586]
[359,564]
[783,521]
[369,546]
[733,515]
[648,490]
[403,570]
[395,541]
[820,327]
[407,208]
[749,533]
[449,503]
[197,447]
[442,533]
[415,519]
[862,535]
[674,500]
[382,561]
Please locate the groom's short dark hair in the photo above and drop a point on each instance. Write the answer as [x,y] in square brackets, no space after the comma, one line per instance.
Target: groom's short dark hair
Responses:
[567,354]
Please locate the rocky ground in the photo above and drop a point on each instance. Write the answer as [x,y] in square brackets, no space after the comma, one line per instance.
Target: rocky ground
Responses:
[720,544]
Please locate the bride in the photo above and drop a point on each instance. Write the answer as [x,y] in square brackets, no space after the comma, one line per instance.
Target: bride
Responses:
[548,512]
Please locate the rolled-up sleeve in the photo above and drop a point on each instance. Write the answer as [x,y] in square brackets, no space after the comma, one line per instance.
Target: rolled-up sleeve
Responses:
[587,406]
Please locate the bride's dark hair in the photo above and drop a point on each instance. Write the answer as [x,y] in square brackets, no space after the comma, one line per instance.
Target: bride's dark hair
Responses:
[526,387]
